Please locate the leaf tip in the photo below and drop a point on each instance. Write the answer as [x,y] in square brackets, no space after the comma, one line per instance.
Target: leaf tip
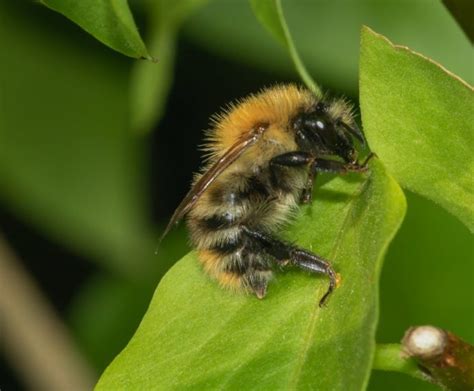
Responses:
[148,57]
[366,30]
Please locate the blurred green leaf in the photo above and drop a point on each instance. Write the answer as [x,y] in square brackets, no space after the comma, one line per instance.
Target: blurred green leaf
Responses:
[108,308]
[150,82]
[195,335]
[270,14]
[68,163]
[419,119]
[267,12]
[105,315]
[110,21]
[427,278]
[395,381]
[462,11]
[327,36]
[433,254]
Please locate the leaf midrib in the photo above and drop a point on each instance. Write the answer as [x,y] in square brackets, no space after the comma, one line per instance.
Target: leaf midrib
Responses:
[294,379]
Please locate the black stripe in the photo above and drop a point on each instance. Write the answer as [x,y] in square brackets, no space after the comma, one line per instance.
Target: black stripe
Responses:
[281,178]
[255,186]
[229,196]
[229,246]
[238,268]
[216,222]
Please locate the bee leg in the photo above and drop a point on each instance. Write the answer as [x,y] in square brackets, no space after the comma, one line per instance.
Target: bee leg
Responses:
[292,159]
[325,165]
[341,168]
[295,159]
[315,264]
[307,194]
[285,253]
[365,163]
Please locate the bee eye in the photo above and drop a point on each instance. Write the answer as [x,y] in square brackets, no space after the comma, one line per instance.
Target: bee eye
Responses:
[320,124]
[316,124]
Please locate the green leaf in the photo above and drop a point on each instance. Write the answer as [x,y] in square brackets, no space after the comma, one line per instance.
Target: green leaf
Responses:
[429,240]
[109,21]
[107,309]
[270,14]
[429,251]
[68,163]
[462,11]
[198,336]
[327,36]
[151,82]
[419,118]
[105,314]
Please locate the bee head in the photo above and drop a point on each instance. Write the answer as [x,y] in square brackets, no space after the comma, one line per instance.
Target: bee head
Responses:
[323,133]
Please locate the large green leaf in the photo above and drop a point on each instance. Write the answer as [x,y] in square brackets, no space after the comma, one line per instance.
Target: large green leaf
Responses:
[419,119]
[197,336]
[110,21]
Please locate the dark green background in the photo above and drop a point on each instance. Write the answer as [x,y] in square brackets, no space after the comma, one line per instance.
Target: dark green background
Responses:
[83,198]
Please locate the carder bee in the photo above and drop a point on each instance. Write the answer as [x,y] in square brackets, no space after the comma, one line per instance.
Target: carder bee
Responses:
[264,153]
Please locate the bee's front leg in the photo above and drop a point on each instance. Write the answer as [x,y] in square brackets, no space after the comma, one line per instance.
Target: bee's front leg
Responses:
[365,164]
[336,167]
[307,194]
[295,159]
[326,165]
[292,159]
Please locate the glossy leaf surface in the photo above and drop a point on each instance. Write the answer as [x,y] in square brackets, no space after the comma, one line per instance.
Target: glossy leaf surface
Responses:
[198,336]
[110,21]
[418,118]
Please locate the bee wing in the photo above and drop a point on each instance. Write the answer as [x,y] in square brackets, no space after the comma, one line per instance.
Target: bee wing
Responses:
[236,150]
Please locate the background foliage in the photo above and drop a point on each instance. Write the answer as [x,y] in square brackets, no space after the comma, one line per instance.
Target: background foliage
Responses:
[84,190]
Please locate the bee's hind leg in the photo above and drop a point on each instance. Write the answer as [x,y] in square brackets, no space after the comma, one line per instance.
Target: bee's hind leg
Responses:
[285,253]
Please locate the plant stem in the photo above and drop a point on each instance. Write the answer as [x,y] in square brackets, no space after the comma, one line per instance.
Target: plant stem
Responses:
[447,359]
[301,69]
[432,354]
[34,339]
[390,357]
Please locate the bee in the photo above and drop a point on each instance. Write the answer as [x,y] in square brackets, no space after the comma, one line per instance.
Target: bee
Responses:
[263,154]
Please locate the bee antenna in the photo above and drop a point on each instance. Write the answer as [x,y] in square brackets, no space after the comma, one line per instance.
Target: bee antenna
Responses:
[355,131]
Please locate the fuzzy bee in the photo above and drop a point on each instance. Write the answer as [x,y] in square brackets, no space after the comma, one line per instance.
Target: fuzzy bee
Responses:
[263,155]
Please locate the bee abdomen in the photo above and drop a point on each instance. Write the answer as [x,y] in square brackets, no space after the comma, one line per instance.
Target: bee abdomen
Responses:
[216,224]
[229,246]
[240,269]
[218,221]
